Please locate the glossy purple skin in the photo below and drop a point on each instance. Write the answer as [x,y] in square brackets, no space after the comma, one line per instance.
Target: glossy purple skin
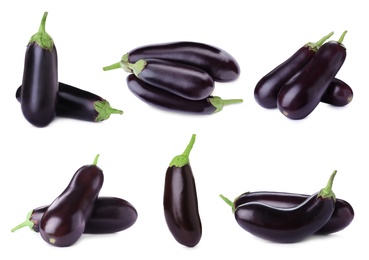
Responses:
[181,206]
[180,79]
[73,103]
[302,93]
[64,221]
[165,100]
[109,215]
[266,90]
[342,215]
[339,93]
[285,225]
[40,81]
[220,65]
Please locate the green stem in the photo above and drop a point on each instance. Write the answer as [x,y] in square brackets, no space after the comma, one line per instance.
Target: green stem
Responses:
[42,38]
[104,110]
[219,103]
[26,223]
[327,192]
[315,46]
[229,202]
[340,40]
[112,67]
[120,65]
[96,158]
[183,159]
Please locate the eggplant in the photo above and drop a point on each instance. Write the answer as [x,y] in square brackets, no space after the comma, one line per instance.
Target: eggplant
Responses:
[220,65]
[339,93]
[168,101]
[109,215]
[287,224]
[180,79]
[268,87]
[342,215]
[303,92]
[76,103]
[180,200]
[63,223]
[40,78]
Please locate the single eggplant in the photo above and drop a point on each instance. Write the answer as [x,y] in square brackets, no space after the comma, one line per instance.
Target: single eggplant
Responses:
[63,223]
[40,78]
[291,224]
[339,93]
[266,90]
[168,101]
[342,216]
[76,103]
[303,92]
[180,200]
[220,65]
[109,215]
[180,79]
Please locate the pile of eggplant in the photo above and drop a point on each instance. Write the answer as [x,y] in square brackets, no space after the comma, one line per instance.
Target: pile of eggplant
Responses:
[43,97]
[285,217]
[305,79]
[80,210]
[179,76]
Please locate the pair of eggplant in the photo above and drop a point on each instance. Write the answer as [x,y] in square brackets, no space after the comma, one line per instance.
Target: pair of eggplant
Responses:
[305,79]
[289,217]
[43,97]
[179,76]
[79,209]
[180,201]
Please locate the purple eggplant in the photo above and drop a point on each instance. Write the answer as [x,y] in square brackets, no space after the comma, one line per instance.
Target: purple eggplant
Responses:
[180,200]
[180,79]
[165,100]
[303,92]
[339,93]
[76,103]
[220,65]
[287,224]
[109,215]
[64,221]
[266,90]
[342,216]
[40,78]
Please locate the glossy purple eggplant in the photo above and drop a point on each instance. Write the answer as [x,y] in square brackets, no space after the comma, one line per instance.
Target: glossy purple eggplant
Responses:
[180,79]
[220,65]
[40,78]
[65,220]
[168,101]
[180,200]
[291,224]
[342,216]
[268,87]
[339,93]
[303,92]
[80,104]
[109,215]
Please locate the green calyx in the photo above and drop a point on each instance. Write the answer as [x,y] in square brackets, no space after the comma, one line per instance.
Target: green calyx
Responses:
[327,192]
[229,202]
[42,38]
[219,103]
[315,45]
[183,159]
[26,223]
[104,110]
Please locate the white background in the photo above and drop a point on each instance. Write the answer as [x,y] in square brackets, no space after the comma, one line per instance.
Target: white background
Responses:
[243,148]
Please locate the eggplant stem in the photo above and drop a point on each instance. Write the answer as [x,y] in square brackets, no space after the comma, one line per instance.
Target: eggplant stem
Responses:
[104,110]
[183,159]
[228,201]
[95,160]
[42,38]
[26,223]
[340,40]
[219,103]
[327,191]
[315,46]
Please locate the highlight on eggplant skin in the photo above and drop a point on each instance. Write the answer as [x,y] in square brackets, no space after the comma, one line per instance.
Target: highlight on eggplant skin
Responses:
[220,65]
[165,100]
